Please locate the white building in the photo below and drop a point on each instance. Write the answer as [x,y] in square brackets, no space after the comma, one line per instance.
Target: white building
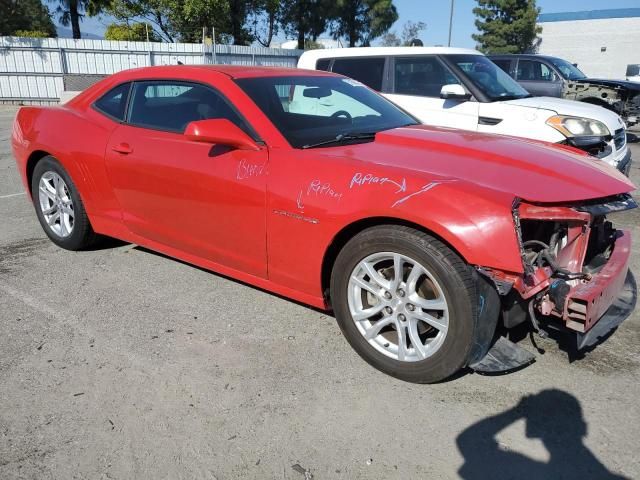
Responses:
[601,42]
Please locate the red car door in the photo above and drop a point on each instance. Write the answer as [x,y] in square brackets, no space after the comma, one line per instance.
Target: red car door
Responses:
[202,199]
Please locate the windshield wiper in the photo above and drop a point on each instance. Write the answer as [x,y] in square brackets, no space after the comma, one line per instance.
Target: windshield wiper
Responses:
[343,137]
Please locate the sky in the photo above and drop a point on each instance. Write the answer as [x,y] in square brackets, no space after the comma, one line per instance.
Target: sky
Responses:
[435,13]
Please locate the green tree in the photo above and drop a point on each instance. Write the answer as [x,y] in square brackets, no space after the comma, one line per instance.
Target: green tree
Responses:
[410,31]
[360,21]
[265,18]
[184,19]
[25,18]
[228,17]
[73,11]
[506,26]
[305,19]
[131,31]
[161,14]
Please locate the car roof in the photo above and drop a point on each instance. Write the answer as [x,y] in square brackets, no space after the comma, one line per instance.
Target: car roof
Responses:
[520,55]
[233,71]
[384,51]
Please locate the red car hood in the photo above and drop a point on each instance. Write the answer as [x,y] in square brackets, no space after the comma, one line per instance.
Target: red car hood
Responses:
[533,171]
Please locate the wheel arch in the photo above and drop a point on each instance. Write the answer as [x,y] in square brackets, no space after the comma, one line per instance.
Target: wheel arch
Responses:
[32,161]
[354,228]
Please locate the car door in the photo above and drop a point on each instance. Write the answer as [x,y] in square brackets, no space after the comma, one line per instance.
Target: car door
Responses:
[202,199]
[416,84]
[538,78]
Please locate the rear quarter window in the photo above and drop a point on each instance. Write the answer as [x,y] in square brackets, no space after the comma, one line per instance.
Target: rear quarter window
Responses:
[114,102]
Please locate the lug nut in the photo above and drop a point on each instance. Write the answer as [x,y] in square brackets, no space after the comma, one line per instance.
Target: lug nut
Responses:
[401,293]
[387,295]
[410,307]
[388,310]
[401,317]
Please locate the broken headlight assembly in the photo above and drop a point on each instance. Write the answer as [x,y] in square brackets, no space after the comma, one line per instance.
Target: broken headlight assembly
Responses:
[586,134]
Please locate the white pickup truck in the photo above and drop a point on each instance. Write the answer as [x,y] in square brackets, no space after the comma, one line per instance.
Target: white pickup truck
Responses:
[461,88]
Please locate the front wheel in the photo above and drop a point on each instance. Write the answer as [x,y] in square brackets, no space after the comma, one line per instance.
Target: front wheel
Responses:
[404,301]
[59,207]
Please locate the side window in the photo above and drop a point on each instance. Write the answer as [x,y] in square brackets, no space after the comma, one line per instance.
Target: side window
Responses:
[505,65]
[535,71]
[323,64]
[114,102]
[171,106]
[421,76]
[367,70]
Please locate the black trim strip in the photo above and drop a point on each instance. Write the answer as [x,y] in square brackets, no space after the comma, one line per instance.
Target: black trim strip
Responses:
[489,121]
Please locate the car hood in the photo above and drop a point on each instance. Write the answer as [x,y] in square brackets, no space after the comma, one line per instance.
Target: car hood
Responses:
[528,169]
[611,83]
[560,106]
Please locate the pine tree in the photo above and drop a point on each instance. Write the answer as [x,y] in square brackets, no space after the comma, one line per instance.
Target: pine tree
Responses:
[506,26]
[360,21]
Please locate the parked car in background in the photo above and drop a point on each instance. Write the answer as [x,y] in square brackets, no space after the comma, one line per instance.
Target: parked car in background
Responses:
[633,72]
[462,88]
[556,77]
[416,237]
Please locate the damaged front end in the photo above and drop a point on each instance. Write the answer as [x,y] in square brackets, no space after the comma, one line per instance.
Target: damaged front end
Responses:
[576,269]
[607,93]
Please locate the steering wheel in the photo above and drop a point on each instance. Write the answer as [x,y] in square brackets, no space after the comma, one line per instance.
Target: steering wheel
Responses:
[342,113]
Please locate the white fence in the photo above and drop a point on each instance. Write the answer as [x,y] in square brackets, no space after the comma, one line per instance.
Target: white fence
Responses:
[33,70]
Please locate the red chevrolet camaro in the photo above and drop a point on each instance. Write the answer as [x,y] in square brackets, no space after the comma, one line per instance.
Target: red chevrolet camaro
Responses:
[423,241]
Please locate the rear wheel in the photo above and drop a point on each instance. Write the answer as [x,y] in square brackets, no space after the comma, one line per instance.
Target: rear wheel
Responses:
[404,301]
[59,207]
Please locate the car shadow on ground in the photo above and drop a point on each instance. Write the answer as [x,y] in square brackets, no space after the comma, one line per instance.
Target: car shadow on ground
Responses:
[105,243]
[554,417]
[231,279]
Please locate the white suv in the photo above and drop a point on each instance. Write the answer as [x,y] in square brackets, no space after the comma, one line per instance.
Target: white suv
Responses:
[461,88]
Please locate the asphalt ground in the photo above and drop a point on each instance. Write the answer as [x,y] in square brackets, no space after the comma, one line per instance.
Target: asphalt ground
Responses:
[119,363]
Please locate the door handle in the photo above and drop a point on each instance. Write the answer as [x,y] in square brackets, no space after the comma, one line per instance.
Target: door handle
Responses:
[123,148]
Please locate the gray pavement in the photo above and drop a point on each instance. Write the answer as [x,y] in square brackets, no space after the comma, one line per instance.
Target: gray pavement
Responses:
[122,364]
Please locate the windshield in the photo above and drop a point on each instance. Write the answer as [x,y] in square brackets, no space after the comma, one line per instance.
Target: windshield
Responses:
[314,109]
[488,77]
[567,70]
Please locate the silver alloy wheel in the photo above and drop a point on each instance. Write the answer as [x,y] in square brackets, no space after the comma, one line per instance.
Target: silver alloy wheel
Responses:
[398,306]
[56,204]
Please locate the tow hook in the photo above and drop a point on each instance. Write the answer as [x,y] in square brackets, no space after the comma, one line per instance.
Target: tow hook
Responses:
[534,320]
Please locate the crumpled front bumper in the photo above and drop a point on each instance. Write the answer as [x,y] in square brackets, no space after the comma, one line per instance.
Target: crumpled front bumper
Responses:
[587,303]
[617,313]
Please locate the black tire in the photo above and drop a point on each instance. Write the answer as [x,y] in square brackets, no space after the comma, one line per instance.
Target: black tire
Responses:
[450,271]
[82,235]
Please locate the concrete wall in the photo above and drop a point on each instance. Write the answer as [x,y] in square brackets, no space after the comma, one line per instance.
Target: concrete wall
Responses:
[581,41]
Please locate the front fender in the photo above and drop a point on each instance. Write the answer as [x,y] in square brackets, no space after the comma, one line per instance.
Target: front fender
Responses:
[313,201]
